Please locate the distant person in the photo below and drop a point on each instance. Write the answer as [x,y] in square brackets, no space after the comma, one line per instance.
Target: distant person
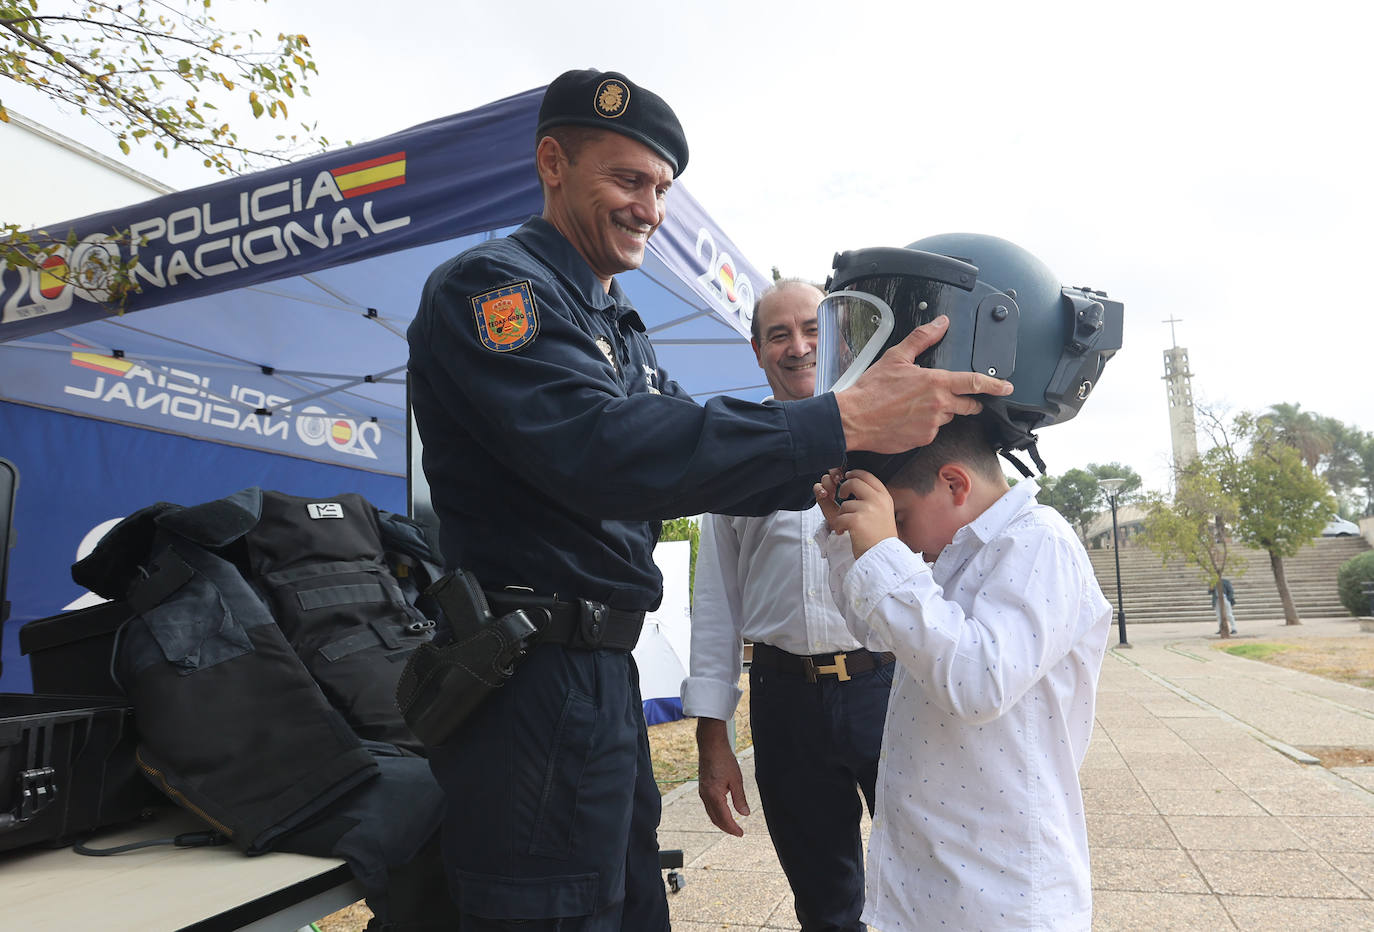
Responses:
[1226,614]
[816,697]
[999,642]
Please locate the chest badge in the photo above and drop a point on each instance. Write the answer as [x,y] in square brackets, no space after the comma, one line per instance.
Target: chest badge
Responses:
[506,317]
[604,345]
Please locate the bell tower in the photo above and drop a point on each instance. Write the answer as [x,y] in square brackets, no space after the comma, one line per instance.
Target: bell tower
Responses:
[1178,380]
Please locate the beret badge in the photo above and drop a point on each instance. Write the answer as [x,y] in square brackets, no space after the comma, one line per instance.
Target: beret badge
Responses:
[612,97]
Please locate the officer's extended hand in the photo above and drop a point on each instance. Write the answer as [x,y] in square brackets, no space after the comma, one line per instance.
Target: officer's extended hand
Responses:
[867,513]
[897,405]
[718,776]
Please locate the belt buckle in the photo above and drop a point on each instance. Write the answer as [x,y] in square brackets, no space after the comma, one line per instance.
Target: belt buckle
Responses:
[591,622]
[838,668]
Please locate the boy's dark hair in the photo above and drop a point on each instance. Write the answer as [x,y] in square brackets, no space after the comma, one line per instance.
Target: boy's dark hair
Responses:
[964,440]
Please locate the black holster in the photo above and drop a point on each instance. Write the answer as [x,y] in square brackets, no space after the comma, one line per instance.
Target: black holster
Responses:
[441,686]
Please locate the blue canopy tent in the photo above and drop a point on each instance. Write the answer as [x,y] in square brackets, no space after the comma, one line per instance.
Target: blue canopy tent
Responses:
[267,343]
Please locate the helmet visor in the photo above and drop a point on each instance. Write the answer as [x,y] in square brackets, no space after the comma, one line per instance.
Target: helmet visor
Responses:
[852,328]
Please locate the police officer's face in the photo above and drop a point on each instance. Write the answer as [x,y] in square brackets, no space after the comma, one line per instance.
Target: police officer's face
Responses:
[786,348]
[608,200]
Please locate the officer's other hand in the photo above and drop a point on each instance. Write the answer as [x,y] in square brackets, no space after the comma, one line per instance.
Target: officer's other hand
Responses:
[897,405]
[719,780]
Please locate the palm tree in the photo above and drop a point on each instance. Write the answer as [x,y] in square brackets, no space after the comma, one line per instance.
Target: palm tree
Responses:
[1303,431]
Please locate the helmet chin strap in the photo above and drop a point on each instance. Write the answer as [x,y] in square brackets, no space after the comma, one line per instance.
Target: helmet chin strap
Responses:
[1010,457]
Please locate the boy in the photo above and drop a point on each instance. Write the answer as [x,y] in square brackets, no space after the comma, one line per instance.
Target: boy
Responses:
[999,643]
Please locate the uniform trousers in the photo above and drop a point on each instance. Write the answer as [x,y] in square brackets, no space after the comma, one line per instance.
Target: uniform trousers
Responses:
[816,747]
[552,812]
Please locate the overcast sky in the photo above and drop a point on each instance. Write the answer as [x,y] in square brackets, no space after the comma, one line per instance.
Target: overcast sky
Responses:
[1203,161]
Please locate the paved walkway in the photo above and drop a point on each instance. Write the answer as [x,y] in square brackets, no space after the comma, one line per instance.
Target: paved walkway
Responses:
[1202,811]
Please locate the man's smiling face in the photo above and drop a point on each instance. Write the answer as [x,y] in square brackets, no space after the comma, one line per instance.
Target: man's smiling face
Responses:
[786,342]
[607,198]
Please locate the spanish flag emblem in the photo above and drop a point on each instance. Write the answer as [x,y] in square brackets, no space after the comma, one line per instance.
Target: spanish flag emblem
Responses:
[341,432]
[387,171]
[110,365]
[727,282]
[506,317]
[52,277]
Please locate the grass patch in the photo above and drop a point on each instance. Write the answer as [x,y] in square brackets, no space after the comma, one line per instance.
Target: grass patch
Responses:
[1261,650]
[1344,659]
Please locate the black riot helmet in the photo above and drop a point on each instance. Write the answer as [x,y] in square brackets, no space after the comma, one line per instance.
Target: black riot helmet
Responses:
[1009,317]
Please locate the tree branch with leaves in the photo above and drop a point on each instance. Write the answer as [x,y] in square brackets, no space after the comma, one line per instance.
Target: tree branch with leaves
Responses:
[1193,527]
[151,72]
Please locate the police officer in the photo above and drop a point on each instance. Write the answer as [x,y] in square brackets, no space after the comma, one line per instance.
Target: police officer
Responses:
[553,444]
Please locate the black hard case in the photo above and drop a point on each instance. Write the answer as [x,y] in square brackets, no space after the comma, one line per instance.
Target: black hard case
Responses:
[70,653]
[67,761]
[66,768]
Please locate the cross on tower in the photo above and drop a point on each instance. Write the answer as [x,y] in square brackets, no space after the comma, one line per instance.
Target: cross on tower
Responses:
[1171,321]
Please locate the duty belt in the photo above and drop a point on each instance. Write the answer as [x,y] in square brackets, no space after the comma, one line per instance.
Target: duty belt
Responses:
[842,666]
[579,623]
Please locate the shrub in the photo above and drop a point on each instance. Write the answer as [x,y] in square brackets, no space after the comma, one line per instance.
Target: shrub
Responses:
[1349,579]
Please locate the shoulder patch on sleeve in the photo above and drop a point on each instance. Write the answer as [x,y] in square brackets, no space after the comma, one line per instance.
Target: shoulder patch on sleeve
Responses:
[506,316]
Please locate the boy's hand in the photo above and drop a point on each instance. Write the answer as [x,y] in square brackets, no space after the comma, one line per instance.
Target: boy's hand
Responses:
[867,513]
[825,496]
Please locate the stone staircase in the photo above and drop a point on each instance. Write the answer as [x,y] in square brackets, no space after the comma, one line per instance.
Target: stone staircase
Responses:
[1153,592]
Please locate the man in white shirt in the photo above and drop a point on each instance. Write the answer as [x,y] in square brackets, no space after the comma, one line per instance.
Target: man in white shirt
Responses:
[816,697]
[999,642]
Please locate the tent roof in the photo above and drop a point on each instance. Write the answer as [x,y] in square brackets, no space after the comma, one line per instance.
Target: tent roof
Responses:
[290,290]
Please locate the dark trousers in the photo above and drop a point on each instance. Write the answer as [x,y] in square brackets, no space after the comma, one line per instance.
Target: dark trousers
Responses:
[552,811]
[816,748]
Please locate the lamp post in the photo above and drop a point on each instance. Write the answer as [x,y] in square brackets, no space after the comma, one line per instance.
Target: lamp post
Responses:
[1112,487]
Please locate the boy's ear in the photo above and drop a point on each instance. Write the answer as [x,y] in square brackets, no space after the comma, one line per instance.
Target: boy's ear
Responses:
[955,478]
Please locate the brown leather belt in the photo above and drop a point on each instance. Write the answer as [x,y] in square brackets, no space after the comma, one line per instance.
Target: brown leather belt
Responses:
[841,666]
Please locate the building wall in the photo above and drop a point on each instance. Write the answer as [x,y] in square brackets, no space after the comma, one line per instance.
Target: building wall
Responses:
[50,178]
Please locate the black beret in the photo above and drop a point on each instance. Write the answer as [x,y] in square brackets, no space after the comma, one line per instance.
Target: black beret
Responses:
[609,100]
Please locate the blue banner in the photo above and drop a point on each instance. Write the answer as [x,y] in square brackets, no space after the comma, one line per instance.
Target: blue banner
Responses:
[77,476]
[460,174]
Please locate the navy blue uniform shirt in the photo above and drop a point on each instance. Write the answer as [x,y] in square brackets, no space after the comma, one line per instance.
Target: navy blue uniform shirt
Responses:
[553,442]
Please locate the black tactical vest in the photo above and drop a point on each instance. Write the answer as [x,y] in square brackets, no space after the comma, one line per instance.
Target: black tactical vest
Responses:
[263,661]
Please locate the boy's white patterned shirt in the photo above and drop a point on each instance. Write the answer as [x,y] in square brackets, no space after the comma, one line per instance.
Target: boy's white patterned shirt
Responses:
[979,820]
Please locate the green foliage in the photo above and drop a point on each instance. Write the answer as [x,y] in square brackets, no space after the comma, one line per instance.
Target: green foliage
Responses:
[147,72]
[1281,504]
[1129,492]
[688,529]
[1192,527]
[1343,455]
[1364,449]
[153,71]
[1349,578]
[1343,467]
[1301,430]
[1075,495]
